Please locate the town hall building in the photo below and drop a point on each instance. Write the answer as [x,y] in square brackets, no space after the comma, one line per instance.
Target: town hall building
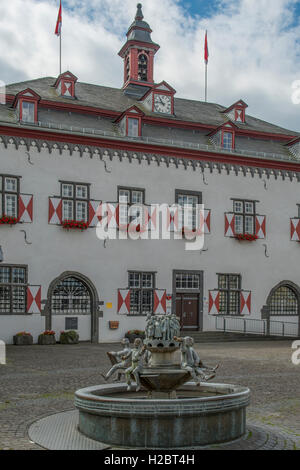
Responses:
[67,147]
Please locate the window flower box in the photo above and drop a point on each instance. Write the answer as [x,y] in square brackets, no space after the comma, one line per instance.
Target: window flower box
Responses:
[113,325]
[246,237]
[75,225]
[8,220]
[23,339]
[69,337]
[47,338]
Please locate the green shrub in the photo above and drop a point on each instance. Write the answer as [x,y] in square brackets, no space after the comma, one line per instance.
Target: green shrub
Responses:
[69,337]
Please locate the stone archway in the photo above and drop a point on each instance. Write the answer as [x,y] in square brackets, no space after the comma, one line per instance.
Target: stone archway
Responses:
[93,300]
[286,288]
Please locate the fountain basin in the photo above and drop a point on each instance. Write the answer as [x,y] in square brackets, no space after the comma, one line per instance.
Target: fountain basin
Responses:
[210,414]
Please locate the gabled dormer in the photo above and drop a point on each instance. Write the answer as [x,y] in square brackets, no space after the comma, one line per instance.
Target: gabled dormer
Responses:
[237,112]
[26,103]
[65,85]
[130,122]
[224,136]
[160,99]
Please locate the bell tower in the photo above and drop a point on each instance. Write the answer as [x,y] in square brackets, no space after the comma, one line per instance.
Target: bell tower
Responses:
[138,54]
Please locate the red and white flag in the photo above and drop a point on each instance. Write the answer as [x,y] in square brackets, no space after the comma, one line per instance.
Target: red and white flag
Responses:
[59,21]
[206,54]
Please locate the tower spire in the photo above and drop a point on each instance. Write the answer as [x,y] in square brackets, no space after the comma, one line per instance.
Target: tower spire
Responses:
[139,14]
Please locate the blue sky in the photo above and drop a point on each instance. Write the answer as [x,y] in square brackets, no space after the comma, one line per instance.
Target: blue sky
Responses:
[254,47]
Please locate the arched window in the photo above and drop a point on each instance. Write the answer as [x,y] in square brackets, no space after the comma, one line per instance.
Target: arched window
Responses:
[284,302]
[143,68]
[71,296]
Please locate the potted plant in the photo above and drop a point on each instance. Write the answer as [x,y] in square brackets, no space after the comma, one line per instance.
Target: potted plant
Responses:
[134,334]
[75,225]
[8,220]
[246,237]
[69,337]
[23,339]
[47,338]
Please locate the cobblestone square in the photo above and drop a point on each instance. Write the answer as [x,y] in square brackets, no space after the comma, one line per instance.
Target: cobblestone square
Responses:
[40,380]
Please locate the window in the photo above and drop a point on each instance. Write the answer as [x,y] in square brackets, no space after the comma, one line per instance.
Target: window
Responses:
[284,302]
[141,292]
[9,192]
[244,212]
[133,127]
[143,68]
[187,281]
[75,199]
[127,67]
[128,197]
[239,114]
[13,286]
[28,111]
[188,201]
[227,140]
[229,286]
[71,296]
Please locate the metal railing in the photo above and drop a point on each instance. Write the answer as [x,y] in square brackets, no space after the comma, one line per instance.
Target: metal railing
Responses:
[167,142]
[256,326]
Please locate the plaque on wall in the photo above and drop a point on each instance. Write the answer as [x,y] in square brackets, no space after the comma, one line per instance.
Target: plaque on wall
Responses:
[71,323]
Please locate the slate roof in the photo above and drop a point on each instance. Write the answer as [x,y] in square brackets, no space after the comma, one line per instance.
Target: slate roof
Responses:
[113,99]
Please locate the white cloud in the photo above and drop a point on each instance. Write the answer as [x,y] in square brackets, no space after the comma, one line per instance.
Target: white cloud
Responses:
[253,44]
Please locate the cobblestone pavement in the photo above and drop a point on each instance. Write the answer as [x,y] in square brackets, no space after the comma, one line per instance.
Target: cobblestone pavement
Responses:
[40,380]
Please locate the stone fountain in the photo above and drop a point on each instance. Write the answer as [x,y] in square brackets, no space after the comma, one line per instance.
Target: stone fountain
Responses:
[171,404]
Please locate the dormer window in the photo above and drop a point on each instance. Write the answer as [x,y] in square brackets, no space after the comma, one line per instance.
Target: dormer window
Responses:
[132,127]
[65,85]
[26,103]
[27,111]
[237,111]
[224,136]
[227,140]
[130,122]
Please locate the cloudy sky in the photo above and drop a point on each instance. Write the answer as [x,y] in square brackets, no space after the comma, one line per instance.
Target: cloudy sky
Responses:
[254,47]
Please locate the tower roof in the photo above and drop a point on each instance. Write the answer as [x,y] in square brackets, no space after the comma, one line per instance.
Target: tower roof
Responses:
[139,31]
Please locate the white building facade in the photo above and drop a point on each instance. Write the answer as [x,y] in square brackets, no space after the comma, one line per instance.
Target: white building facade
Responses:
[67,147]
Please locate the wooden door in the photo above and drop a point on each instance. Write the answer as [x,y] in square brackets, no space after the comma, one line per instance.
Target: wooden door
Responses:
[187,309]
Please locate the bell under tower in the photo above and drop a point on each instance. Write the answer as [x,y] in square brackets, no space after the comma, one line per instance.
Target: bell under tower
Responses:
[138,54]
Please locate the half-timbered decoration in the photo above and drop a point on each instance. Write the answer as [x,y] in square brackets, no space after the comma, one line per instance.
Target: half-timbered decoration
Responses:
[83,165]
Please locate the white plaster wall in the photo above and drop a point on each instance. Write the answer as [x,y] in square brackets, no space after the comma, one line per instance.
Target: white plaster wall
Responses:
[54,251]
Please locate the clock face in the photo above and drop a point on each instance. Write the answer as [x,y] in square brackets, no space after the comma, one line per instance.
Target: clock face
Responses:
[162,104]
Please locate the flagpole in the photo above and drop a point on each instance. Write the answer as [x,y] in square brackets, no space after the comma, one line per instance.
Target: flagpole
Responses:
[60,52]
[206,82]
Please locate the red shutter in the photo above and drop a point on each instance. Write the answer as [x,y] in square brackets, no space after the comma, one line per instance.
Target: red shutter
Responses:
[55,210]
[245,303]
[295,230]
[229,225]
[207,214]
[34,299]
[214,302]
[25,208]
[93,213]
[260,223]
[123,301]
[160,304]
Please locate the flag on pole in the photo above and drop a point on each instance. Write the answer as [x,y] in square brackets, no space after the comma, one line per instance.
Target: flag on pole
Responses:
[59,21]
[206,53]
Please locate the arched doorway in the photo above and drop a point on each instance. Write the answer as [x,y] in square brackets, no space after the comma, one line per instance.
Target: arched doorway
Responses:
[283,302]
[72,303]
